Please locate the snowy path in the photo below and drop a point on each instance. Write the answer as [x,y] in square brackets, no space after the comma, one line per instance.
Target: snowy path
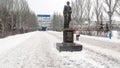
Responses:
[96,55]
[32,53]
[102,43]
[11,41]
[39,51]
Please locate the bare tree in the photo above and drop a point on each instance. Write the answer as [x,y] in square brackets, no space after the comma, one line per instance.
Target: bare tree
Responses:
[14,14]
[78,11]
[89,13]
[118,8]
[31,22]
[110,10]
[54,21]
[5,7]
[98,8]
[57,22]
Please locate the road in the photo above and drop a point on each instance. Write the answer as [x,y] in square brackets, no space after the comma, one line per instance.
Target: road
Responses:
[39,51]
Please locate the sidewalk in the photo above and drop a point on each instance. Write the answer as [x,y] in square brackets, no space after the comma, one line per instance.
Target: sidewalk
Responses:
[102,42]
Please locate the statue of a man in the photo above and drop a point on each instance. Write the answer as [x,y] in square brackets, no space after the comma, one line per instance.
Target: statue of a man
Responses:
[67,14]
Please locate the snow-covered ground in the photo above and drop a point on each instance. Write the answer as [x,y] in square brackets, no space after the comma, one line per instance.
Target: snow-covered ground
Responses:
[11,41]
[38,50]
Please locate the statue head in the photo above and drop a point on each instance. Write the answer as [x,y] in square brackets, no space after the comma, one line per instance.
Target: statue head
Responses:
[68,3]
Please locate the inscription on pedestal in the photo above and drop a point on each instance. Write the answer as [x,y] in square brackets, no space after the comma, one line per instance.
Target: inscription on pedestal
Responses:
[68,36]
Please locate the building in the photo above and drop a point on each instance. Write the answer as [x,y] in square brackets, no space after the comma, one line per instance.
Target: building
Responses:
[44,21]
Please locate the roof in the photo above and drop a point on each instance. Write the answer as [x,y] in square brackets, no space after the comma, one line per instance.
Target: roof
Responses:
[43,15]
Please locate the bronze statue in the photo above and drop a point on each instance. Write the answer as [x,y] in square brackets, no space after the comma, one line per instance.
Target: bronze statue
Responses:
[67,14]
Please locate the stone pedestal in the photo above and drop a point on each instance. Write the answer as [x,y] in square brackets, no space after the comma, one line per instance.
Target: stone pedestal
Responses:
[69,47]
[68,35]
[68,42]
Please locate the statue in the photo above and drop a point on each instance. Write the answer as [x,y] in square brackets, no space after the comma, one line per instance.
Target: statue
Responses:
[67,14]
[68,33]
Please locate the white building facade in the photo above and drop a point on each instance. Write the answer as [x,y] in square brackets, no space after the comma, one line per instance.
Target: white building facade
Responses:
[44,20]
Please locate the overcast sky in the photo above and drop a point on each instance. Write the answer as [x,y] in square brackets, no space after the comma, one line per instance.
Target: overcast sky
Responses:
[47,6]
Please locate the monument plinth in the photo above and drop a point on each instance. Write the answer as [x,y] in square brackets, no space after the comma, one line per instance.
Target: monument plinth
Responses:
[68,42]
[68,34]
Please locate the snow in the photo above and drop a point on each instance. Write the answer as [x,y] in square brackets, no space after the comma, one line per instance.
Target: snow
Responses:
[114,39]
[115,35]
[105,51]
[38,50]
[110,54]
[106,54]
[11,41]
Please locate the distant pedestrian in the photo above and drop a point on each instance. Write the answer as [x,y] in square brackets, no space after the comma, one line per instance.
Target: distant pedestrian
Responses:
[77,34]
[110,35]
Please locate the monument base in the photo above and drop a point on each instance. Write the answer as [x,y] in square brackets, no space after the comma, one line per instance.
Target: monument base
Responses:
[68,47]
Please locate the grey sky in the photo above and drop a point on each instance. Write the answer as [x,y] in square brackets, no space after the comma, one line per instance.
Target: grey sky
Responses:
[47,6]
